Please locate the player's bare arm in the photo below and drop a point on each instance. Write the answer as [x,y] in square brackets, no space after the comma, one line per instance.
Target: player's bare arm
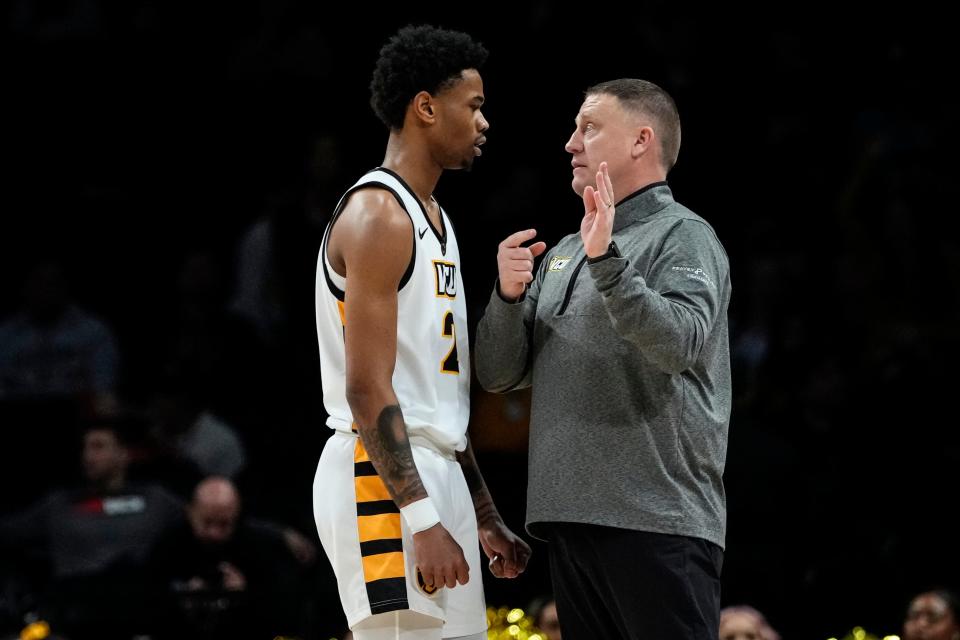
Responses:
[508,553]
[373,244]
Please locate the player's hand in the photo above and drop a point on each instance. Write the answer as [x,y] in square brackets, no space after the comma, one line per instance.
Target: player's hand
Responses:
[596,228]
[508,553]
[515,263]
[439,558]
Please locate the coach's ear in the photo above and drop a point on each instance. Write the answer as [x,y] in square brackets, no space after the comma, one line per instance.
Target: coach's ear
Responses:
[643,139]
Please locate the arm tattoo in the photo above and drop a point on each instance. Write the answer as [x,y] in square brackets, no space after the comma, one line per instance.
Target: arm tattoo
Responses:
[482,500]
[389,449]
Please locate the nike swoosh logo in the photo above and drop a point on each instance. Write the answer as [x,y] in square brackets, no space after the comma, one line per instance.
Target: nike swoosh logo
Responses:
[423,232]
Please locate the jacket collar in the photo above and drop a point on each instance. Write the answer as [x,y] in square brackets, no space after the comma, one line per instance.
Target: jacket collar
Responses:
[642,203]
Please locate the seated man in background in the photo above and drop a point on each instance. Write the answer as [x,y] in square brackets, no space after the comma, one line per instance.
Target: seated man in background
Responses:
[94,540]
[223,575]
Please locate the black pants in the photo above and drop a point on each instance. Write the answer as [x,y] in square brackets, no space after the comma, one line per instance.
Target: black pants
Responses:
[619,583]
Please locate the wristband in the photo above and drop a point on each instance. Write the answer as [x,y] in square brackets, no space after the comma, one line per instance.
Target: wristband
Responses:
[613,251]
[420,515]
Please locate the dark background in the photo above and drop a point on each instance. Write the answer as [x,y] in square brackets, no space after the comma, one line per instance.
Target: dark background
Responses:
[819,147]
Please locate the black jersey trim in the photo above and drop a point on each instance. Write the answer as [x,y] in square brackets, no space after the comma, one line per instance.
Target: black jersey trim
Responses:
[441,235]
[331,285]
[444,216]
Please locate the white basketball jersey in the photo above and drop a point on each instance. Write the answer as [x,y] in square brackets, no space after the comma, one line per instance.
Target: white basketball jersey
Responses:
[431,377]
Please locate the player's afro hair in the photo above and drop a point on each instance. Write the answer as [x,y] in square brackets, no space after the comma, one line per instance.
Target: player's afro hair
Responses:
[419,58]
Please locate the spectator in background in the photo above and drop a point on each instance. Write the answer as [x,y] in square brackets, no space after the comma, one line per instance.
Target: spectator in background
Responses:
[276,256]
[52,349]
[216,349]
[223,575]
[543,610]
[745,623]
[58,365]
[189,435]
[95,539]
[933,615]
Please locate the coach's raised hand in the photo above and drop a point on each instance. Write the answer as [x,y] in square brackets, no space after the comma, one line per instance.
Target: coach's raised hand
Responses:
[515,263]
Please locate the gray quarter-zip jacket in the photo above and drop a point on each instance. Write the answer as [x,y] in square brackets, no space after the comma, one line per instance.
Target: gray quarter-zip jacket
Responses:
[629,362]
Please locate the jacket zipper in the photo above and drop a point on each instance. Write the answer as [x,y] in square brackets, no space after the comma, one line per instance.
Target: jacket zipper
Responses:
[573,281]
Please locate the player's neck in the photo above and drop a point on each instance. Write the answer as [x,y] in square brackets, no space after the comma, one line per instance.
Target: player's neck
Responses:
[413,163]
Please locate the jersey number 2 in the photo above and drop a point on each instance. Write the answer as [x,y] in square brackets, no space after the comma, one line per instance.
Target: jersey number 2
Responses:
[451,363]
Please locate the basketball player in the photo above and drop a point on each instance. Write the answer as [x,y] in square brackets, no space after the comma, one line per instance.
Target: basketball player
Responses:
[398,498]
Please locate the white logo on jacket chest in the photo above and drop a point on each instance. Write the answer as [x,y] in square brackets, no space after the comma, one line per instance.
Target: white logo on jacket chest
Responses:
[557,263]
[446,278]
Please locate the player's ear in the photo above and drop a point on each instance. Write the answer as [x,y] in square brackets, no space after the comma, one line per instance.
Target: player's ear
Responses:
[424,108]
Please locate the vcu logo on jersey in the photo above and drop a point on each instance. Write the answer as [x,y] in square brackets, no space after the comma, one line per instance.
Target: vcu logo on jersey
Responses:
[445,274]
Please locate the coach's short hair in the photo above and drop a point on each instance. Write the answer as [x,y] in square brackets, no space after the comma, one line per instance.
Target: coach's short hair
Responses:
[644,97]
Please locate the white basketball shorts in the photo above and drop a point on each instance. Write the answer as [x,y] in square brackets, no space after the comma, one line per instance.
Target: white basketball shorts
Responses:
[371,548]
